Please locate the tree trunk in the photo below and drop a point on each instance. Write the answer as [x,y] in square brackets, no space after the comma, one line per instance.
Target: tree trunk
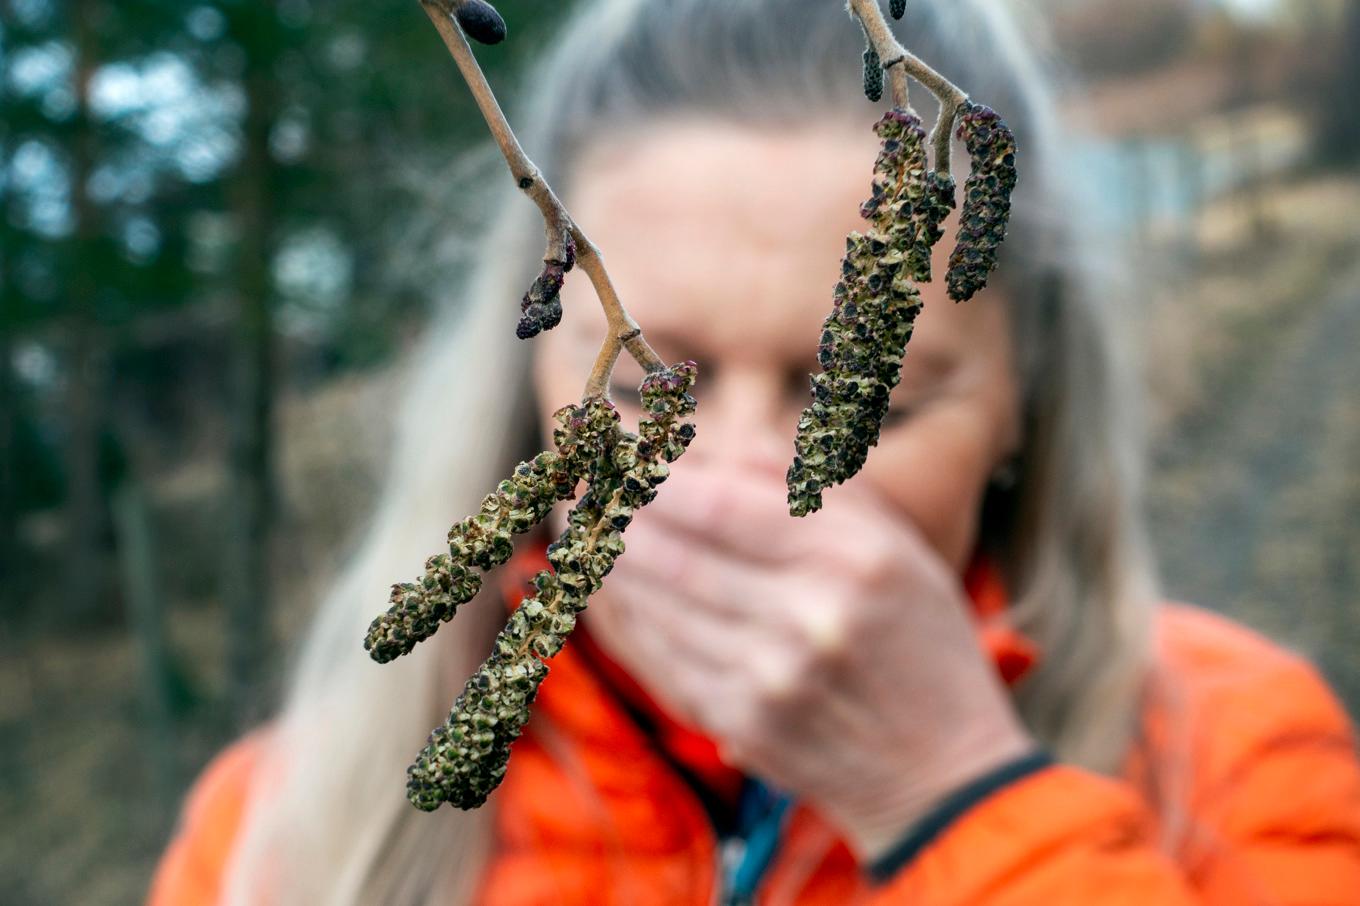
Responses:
[9,407]
[84,504]
[251,504]
[146,608]
[1341,114]
[9,393]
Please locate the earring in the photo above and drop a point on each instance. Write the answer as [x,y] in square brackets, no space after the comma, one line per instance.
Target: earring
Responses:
[1007,475]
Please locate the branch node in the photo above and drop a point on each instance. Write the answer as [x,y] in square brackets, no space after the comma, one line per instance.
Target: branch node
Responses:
[567,244]
[903,63]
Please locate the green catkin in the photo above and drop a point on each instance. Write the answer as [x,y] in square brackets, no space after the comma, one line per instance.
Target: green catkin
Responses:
[873,74]
[986,200]
[485,540]
[417,609]
[897,8]
[875,305]
[467,756]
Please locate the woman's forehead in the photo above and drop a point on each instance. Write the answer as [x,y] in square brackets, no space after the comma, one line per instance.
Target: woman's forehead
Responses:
[723,238]
[709,182]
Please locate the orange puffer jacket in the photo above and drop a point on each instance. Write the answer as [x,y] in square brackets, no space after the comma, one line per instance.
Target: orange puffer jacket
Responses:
[1265,811]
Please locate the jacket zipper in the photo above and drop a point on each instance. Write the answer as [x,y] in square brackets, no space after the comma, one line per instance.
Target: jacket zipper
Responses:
[728,854]
[744,859]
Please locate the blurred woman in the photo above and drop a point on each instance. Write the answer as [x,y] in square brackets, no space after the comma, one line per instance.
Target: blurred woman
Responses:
[957,683]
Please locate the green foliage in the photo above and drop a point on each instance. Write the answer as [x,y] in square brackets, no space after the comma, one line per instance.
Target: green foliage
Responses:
[125,218]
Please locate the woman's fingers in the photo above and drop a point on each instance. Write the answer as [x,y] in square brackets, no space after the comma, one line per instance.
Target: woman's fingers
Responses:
[686,655]
[803,609]
[802,604]
[780,654]
[671,625]
[706,575]
[745,514]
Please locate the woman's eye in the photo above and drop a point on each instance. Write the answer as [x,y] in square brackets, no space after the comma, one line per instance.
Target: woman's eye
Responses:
[899,414]
[623,392]
[623,388]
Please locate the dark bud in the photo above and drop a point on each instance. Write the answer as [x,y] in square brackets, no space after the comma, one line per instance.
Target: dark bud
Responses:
[873,75]
[480,22]
[897,8]
[538,317]
[541,308]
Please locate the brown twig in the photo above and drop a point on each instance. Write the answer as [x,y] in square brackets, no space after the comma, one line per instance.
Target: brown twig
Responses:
[899,63]
[623,332]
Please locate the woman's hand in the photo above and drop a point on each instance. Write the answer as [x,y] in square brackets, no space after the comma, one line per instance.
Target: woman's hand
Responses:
[833,656]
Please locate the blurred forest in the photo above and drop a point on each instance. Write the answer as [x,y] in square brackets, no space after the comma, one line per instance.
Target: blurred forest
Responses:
[203,210]
[215,246]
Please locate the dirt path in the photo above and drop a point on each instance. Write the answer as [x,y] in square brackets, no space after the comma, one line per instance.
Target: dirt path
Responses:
[1255,498]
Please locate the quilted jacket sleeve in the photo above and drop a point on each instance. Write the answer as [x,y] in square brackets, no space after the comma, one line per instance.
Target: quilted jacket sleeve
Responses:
[190,870]
[1272,817]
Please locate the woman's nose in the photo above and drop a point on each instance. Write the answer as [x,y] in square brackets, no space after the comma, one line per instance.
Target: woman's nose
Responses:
[741,422]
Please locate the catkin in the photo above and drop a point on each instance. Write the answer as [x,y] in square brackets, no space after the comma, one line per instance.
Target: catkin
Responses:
[908,202]
[485,540]
[874,308]
[466,757]
[986,200]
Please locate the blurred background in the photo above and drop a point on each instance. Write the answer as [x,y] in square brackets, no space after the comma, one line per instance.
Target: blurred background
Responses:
[216,242]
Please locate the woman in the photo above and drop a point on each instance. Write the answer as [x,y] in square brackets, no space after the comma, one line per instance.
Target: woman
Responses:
[955,684]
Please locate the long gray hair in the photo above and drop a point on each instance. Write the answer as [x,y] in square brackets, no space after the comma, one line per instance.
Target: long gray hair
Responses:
[328,821]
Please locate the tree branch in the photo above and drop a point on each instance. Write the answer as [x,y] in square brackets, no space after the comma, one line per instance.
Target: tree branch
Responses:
[623,331]
[899,63]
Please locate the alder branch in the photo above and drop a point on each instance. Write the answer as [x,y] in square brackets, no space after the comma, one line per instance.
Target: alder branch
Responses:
[622,332]
[898,63]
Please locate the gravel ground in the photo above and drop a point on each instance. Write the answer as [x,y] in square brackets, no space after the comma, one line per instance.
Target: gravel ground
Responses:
[1254,497]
